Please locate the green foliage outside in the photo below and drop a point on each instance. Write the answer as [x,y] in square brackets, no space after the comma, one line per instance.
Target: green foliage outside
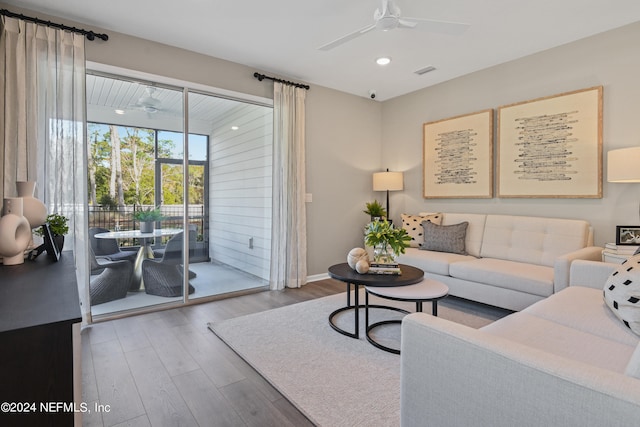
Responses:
[137,157]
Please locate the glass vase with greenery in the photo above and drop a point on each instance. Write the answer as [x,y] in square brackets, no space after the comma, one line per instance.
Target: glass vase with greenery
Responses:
[387,242]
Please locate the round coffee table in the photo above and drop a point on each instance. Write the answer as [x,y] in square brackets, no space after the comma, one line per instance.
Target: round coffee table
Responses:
[424,291]
[344,273]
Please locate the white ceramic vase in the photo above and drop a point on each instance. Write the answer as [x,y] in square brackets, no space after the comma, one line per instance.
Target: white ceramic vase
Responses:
[15,232]
[34,210]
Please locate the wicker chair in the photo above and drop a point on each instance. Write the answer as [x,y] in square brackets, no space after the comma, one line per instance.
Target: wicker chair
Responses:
[193,237]
[108,247]
[109,279]
[164,277]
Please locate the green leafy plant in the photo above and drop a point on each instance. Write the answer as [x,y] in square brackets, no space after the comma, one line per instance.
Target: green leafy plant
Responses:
[148,215]
[375,210]
[383,232]
[58,224]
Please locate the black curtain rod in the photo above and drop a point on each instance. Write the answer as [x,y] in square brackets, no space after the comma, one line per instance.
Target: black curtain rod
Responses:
[90,35]
[262,77]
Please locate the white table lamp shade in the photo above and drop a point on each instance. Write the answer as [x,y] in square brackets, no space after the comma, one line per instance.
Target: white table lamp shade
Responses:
[387,181]
[623,165]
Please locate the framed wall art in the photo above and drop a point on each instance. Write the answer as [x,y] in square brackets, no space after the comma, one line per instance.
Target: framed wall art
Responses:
[458,157]
[551,147]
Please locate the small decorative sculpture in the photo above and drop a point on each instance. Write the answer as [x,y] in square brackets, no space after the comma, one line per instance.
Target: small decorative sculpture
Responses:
[15,232]
[362,266]
[355,255]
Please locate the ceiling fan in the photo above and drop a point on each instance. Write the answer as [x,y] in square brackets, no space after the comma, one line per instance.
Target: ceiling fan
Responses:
[389,18]
[148,103]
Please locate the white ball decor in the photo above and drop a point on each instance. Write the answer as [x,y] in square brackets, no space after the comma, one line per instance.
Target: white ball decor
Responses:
[362,266]
[355,255]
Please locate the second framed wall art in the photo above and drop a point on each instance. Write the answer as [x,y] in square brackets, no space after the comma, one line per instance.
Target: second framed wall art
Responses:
[551,147]
[458,157]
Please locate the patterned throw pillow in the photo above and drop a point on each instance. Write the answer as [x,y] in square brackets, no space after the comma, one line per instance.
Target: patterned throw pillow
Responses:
[622,293]
[445,238]
[413,225]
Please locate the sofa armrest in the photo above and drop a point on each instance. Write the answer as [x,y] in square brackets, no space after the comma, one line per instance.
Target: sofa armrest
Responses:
[562,265]
[455,375]
[591,274]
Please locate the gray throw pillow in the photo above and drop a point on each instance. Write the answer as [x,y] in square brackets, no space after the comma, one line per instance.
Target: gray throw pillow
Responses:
[445,238]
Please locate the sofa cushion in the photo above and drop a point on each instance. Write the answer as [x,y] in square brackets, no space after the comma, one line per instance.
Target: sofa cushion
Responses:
[582,308]
[563,341]
[430,261]
[445,238]
[413,225]
[475,230]
[519,276]
[533,240]
[622,293]
[633,367]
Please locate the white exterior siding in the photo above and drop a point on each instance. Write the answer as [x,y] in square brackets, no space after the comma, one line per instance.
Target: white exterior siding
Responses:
[240,189]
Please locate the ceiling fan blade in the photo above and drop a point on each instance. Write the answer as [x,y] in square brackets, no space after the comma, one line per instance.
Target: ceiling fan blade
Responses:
[443,27]
[347,38]
[403,23]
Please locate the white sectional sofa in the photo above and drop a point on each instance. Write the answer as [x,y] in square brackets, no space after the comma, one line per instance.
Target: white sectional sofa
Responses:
[510,261]
[564,361]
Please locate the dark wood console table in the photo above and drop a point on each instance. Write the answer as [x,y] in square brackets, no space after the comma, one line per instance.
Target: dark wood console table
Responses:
[39,325]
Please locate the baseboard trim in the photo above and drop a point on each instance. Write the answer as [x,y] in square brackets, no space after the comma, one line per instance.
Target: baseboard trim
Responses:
[316,277]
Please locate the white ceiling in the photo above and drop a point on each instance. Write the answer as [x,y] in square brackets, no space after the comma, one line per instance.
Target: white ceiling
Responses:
[282,36]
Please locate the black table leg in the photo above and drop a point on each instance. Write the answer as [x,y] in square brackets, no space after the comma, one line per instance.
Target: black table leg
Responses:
[355,307]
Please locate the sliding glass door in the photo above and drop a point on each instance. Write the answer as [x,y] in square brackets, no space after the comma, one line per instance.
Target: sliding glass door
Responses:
[212,189]
[131,126]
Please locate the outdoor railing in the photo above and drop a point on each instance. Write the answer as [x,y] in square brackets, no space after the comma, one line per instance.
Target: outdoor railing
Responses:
[121,219]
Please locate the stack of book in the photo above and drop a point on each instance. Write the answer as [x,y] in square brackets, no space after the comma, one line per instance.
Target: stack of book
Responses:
[376,268]
[621,249]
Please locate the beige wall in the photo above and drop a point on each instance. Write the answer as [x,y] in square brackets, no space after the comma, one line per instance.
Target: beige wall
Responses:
[611,59]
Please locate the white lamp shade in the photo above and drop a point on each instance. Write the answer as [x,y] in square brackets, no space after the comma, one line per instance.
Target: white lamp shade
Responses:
[387,181]
[623,165]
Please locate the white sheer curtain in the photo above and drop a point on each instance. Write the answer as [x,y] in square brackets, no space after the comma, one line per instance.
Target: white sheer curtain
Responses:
[289,227]
[43,122]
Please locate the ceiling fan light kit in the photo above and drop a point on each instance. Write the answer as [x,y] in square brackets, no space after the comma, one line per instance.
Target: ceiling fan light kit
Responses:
[148,103]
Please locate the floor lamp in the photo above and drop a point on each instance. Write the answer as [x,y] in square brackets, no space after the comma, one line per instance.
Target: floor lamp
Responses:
[387,181]
[623,166]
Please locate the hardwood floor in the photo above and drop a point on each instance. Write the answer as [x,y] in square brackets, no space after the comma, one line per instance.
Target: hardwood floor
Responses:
[167,369]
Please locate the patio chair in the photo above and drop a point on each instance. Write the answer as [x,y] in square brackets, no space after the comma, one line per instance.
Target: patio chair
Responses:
[164,277]
[193,237]
[108,248]
[109,280]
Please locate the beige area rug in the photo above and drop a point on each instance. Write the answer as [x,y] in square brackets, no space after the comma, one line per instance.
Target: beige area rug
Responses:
[333,379]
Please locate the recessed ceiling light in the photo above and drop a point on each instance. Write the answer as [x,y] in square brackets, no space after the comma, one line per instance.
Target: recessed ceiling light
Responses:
[119,112]
[234,128]
[383,60]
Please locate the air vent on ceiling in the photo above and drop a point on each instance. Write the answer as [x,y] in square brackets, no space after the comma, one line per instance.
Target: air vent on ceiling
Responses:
[425,70]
